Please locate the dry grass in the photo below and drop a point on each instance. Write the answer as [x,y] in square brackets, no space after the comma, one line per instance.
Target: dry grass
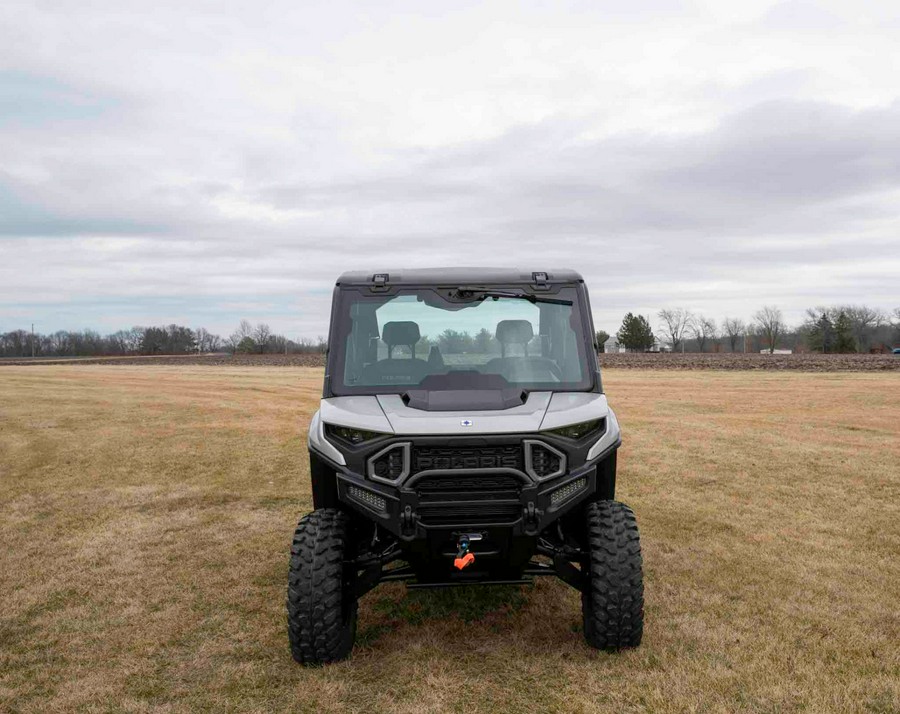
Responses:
[146,512]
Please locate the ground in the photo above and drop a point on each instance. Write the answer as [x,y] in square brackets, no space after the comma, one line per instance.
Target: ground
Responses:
[146,514]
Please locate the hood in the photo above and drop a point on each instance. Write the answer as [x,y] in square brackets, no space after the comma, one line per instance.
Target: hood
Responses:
[387,413]
[525,417]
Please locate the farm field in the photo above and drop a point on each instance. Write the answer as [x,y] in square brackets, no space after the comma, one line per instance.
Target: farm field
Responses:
[146,514]
[690,361]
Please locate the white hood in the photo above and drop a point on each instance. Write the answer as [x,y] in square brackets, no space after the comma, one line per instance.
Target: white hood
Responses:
[388,414]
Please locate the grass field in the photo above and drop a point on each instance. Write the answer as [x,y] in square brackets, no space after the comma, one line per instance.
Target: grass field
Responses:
[146,515]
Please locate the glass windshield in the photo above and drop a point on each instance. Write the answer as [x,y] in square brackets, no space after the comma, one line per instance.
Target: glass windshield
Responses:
[419,338]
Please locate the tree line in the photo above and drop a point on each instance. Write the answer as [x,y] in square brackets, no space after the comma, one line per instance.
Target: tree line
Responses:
[828,329]
[161,340]
[836,328]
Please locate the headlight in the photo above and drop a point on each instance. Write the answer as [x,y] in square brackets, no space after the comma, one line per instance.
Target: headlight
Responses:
[350,435]
[579,431]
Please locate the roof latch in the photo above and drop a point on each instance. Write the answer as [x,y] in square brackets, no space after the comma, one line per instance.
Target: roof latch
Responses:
[379,281]
[540,280]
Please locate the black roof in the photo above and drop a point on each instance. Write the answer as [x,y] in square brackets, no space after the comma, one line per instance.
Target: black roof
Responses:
[459,276]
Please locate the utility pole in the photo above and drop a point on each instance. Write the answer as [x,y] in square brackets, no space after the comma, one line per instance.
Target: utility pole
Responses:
[32,340]
[745,343]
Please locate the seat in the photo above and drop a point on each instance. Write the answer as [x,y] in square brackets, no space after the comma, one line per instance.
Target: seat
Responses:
[525,368]
[399,370]
[404,333]
[514,332]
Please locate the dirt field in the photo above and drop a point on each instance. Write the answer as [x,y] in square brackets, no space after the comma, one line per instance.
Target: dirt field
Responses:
[146,515]
[689,361]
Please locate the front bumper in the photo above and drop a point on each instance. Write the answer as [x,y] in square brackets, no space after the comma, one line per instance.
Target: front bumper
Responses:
[440,501]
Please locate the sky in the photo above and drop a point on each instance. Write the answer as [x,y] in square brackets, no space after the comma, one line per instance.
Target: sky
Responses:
[204,162]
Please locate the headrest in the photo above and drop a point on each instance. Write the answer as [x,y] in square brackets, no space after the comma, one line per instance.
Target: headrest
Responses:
[514,332]
[400,333]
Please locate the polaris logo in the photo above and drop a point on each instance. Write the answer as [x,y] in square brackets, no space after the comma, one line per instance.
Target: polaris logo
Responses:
[466,422]
[466,461]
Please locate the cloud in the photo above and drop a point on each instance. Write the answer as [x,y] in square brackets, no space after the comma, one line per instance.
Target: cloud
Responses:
[197,165]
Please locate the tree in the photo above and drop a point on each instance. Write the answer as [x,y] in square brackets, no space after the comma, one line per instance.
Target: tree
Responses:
[246,346]
[180,340]
[454,342]
[245,329]
[153,341]
[483,341]
[207,342]
[820,336]
[635,333]
[261,335]
[863,322]
[770,325]
[735,329]
[601,336]
[675,323]
[843,334]
[704,329]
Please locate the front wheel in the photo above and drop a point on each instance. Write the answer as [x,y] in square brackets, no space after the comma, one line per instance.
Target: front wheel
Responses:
[321,603]
[612,601]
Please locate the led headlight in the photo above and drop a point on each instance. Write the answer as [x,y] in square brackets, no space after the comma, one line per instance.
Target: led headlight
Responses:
[579,431]
[349,434]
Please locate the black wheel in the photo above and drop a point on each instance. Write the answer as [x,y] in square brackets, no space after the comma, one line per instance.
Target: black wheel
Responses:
[612,601]
[321,604]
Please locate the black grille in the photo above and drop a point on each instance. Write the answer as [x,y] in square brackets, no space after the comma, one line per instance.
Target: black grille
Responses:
[448,499]
[427,458]
[543,461]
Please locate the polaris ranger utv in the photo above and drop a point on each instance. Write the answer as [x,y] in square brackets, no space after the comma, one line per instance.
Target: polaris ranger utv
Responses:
[463,437]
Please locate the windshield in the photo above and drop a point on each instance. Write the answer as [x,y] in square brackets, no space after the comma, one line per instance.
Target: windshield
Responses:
[428,339]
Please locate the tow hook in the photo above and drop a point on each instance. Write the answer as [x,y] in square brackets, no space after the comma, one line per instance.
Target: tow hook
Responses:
[407,521]
[464,557]
[532,518]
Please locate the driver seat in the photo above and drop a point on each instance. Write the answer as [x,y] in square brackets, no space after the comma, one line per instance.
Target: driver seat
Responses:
[398,370]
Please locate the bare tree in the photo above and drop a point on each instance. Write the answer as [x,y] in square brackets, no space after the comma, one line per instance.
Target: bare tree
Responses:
[770,325]
[244,330]
[674,324]
[261,334]
[863,320]
[207,342]
[734,328]
[704,329]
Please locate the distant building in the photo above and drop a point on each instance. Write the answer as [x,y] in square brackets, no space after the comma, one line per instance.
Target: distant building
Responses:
[612,346]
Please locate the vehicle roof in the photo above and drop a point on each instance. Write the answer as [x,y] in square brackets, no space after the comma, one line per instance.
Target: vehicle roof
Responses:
[459,276]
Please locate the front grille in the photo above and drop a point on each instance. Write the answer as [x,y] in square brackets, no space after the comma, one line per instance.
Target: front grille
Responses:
[469,516]
[448,499]
[428,458]
[487,484]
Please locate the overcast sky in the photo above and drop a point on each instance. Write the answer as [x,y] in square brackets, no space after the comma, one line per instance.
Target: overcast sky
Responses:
[200,162]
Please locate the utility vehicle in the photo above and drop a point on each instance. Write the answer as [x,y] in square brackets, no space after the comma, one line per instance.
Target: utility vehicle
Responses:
[463,438]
